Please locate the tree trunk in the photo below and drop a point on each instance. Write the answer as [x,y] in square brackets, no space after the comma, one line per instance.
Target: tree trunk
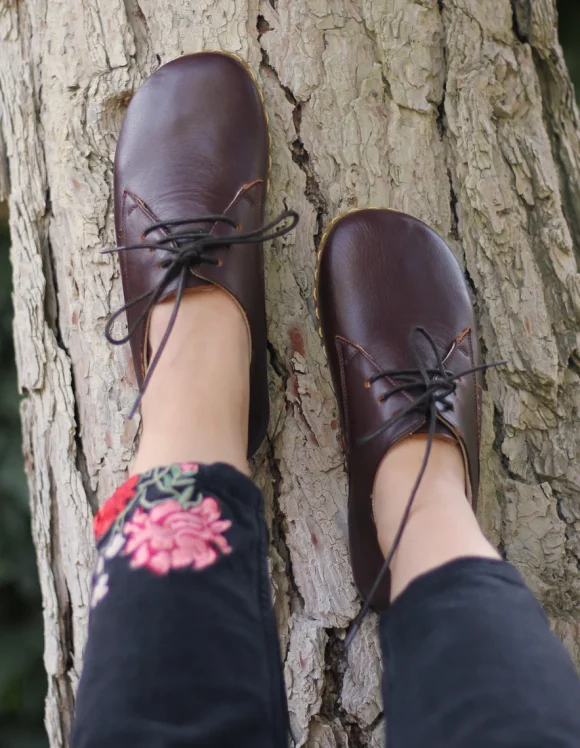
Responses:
[460,112]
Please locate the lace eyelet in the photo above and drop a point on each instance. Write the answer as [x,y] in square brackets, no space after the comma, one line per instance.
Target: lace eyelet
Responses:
[367,384]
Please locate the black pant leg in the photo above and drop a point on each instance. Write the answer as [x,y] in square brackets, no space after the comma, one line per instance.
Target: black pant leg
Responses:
[470,662]
[179,656]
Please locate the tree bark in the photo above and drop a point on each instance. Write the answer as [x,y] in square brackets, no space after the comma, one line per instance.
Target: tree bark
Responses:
[460,112]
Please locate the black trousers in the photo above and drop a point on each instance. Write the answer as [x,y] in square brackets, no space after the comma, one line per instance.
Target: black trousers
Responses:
[183,652]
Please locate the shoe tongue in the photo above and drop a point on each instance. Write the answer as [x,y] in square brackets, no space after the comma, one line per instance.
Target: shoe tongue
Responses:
[140,215]
[442,431]
[188,208]
[185,204]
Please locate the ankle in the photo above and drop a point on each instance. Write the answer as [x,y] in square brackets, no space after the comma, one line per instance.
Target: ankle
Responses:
[196,406]
[202,310]
[435,535]
[443,480]
[445,459]
[441,526]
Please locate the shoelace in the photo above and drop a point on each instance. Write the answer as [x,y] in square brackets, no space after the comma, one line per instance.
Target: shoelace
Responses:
[434,386]
[187,249]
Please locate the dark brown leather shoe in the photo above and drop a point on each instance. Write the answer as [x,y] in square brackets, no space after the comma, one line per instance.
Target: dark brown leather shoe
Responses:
[191,172]
[399,332]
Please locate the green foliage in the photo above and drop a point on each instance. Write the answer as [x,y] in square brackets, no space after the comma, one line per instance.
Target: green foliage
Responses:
[568,27]
[22,677]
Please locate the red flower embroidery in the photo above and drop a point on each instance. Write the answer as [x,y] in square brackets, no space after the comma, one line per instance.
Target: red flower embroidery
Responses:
[113,506]
[171,537]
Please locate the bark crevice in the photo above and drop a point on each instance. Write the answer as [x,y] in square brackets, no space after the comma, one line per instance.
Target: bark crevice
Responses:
[300,155]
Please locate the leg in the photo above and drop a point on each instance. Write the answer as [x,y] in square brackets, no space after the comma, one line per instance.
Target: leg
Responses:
[442,526]
[466,645]
[182,648]
[188,657]
[202,378]
[469,657]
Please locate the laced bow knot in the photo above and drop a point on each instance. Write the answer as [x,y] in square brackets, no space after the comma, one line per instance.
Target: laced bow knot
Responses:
[428,387]
[440,387]
[187,248]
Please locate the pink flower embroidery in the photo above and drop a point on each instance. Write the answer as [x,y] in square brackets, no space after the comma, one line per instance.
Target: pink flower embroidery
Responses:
[189,467]
[171,537]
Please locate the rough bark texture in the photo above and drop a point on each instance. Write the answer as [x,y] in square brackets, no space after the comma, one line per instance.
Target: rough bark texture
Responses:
[458,111]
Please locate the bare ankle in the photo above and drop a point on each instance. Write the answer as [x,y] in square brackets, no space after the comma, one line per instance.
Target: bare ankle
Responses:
[397,474]
[196,405]
[445,459]
[441,526]
[199,307]
[437,534]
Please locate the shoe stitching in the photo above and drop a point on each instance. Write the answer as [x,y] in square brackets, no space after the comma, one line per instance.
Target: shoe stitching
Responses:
[369,358]
[341,341]
[457,347]
[341,362]
[246,191]
[477,405]
[146,210]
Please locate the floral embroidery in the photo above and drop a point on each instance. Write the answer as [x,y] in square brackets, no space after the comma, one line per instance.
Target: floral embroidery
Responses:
[112,549]
[119,504]
[100,583]
[114,506]
[170,537]
[100,589]
[161,522]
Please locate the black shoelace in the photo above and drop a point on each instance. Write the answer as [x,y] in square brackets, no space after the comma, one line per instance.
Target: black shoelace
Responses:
[432,388]
[187,249]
